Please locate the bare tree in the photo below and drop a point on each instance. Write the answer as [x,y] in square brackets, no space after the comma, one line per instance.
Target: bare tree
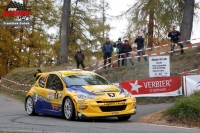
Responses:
[187,21]
[63,55]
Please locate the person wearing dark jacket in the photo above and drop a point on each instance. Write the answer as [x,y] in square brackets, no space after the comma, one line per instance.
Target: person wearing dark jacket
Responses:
[79,57]
[107,49]
[118,45]
[36,74]
[140,46]
[127,49]
[174,34]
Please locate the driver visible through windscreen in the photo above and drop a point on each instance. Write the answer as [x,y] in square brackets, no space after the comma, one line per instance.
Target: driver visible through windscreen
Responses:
[84,79]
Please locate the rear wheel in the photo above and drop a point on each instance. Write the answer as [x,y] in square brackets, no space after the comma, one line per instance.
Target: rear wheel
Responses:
[30,109]
[68,109]
[124,118]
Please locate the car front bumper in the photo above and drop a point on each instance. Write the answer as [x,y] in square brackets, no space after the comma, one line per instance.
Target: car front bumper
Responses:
[105,109]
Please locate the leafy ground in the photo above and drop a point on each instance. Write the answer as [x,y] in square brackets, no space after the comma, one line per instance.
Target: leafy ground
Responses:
[178,63]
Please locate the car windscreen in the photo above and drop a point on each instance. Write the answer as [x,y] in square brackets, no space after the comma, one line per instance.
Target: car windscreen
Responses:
[84,79]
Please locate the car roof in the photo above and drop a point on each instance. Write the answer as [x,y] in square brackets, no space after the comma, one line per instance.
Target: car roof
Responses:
[68,72]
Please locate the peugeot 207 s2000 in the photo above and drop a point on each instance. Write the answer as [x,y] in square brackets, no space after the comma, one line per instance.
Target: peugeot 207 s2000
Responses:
[78,94]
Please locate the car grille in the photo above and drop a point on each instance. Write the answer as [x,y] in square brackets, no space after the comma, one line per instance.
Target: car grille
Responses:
[110,101]
[113,108]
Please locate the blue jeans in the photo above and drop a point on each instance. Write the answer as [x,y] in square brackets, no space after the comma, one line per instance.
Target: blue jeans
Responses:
[143,53]
[130,59]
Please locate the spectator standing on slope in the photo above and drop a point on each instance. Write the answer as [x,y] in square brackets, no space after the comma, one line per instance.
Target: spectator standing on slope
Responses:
[118,45]
[174,35]
[127,49]
[79,57]
[107,49]
[140,47]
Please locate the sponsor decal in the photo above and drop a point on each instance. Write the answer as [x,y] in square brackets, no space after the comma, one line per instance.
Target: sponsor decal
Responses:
[83,107]
[60,97]
[191,84]
[165,85]
[37,97]
[56,96]
[50,95]
[101,86]
[80,101]
[55,108]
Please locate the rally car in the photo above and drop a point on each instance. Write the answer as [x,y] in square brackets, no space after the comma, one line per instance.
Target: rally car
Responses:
[77,94]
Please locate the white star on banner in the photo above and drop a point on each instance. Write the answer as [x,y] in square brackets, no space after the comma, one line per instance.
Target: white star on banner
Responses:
[135,86]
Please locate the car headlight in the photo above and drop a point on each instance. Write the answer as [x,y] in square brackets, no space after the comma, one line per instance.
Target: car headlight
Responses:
[85,96]
[126,93]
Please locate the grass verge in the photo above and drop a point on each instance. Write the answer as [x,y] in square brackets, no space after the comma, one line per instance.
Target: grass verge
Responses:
[186,110]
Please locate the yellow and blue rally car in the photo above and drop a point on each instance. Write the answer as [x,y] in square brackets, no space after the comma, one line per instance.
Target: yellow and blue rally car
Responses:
[77,94]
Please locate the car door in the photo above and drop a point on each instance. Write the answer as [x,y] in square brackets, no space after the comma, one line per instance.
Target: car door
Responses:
[39,94]
[54,88]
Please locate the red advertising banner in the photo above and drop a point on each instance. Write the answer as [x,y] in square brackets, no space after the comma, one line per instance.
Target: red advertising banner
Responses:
[154,87]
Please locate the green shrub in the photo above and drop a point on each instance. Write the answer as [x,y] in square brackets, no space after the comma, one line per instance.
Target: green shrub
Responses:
[185,107]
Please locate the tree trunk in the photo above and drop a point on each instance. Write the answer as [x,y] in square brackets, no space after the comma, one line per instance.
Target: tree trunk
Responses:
[150,28]
[63,55]
[187,21]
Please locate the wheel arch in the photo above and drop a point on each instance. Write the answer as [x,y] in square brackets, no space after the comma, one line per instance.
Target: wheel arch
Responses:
[75,105]
[26,100]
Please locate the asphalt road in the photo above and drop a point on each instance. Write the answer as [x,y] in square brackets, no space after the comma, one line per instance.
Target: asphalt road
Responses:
[14,118]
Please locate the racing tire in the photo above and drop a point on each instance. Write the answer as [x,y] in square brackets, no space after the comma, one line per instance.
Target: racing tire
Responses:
[30,108]
[124,118]
[68,109]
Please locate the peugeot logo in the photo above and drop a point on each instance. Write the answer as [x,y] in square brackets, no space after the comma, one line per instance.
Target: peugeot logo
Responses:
[111,95]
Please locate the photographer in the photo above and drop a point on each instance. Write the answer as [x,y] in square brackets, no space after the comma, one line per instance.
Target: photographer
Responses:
[37,76]
[174,34]
[140,46]
[118,45]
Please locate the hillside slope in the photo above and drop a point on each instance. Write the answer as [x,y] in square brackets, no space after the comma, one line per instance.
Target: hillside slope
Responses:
[178,63]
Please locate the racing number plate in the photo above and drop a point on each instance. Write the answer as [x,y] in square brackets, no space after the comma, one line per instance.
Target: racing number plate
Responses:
[114,103]
[115,113]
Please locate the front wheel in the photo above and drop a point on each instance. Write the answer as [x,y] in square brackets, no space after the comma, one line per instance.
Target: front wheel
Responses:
[30,109]
[68,109]
[124,118]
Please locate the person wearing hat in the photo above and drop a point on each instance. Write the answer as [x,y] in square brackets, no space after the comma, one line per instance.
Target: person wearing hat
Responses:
[36,74]
[127,49]
[140,46]
[118,45]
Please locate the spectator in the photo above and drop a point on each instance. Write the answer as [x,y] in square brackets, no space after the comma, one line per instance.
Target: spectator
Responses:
[127,49]
[36,74]
[79,57]
[107,49]
[174,34]
[118,45]
[140,47]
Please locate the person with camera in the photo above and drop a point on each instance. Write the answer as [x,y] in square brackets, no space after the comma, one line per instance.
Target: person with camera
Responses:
[118,45]
[140,47]
[36,74]
[174,35]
